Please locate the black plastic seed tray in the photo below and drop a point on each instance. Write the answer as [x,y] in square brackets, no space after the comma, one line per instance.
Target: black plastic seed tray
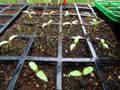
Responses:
[10,13]
[109,71]
[50,48]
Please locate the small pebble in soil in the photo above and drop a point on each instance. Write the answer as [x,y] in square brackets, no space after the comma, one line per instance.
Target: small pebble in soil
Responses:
[37,85]
[92,75]
[118,76]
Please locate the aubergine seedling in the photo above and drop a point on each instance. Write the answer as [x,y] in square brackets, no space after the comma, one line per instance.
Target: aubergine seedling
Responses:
[30,13]
[47,23]
[75,41]
[74,22]
[77,73]
[39,73]
[67,13]
[103,44]
[8,43]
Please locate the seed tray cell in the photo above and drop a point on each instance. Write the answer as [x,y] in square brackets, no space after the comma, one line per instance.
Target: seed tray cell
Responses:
[6,73]
[44,46]
[83,82]
[80,50]
[28,79]
[110,71]
[9,11]
[4,19]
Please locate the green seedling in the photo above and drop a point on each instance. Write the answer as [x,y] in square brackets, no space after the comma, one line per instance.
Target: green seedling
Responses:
[76,73]
[104,44]
[39,73]
[75,22]
[75,42]
[67,23]
[67,13]
[29,13]
[46,24]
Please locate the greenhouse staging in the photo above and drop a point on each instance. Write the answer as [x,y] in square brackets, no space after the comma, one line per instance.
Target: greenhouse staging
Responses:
[59,45]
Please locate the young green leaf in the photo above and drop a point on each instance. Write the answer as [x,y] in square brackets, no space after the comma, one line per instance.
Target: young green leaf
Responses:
[75,73]
[75,22]
[66,23]
[33,66]
[41,75]
[88,70]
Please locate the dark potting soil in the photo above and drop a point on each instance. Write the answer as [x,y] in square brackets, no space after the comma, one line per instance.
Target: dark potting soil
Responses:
[111,74]
[45,46]
[6,72]
[88,82]
[70,10]
[28,80]
[79,51]
[15,48]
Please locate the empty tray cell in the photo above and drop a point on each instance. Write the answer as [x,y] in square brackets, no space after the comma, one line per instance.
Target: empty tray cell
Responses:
[3,6]
[111,74]
[13,46]
[75,48]
[72,30]
[30,80]
[86,12]
[6,73]
[44,47]
[107,48]
[4,19]
[83,80]
[9,11]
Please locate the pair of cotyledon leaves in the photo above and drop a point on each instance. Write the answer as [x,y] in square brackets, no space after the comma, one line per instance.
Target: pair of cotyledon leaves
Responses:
[39,73]
[76,73]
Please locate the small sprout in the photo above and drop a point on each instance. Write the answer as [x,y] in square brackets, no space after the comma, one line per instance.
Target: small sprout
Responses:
[12,37]
[51,12]
[40,74]
[75,73]
[29,13]
[88,70]
[77,38]
[46,24]
[50,21]
[104,44]
[72,46]
[66,23]
[33,66]
[3,42]
[75,22]
[67,13]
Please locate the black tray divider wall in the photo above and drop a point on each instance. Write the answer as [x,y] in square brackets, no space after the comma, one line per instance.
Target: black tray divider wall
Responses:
[22,59]
[59,63]
[85,32]
[5,26]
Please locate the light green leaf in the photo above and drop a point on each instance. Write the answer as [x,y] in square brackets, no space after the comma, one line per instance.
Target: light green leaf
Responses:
[33,66]
[75,73]
[72,46]
[88,70]
[41,75]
